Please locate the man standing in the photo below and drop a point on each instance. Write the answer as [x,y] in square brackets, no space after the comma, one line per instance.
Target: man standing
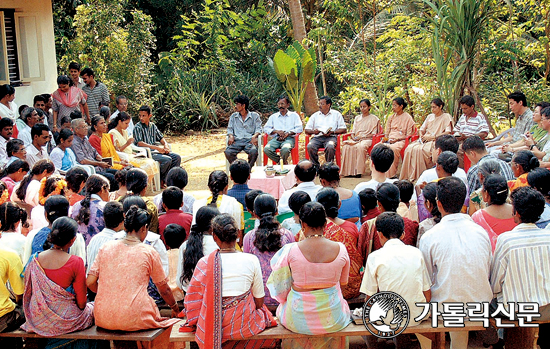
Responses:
[471,123]
[457,252]
[146,134]
[96,91]
[87,155]
[282,126]
[243,131]
[30,118]
[6,130]
[475,150]
[324,125]
[37,151]
[122,106]
[74,71]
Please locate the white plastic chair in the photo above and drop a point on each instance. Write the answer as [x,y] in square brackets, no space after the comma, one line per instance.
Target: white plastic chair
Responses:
[259,160]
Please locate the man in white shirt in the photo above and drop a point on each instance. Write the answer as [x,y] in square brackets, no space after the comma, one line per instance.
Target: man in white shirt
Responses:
[122,106]
[324,125]
[37,150]
[6,130]
[113,214]
[457,253]
[305,173]
[282,126]
[381,160]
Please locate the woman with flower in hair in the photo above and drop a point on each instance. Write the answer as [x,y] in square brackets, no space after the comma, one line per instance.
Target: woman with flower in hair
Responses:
[11,217]
[26,191]
[54,185]
[89,212]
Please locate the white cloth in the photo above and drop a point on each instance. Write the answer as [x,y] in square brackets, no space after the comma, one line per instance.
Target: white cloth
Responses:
[309,187]
[430,175]
[10,112]
[130,129]
[188,201]
[519,271]
[95,244]
[457,253]
[3,152]
[38,217]
[333,119]
[228,205]
[31,196]
[241,272]
[25,135]
[290,122]
[372,184]
[34,155]
[15,241]
[152,239]
[208,246]
[398,268]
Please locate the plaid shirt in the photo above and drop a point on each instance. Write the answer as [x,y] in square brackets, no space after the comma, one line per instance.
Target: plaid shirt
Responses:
[524,122]
[473,178]
[238,192]
[147,134]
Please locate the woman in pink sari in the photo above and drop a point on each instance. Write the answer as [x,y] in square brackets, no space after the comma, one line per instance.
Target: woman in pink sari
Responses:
[399,126]
[497,217]
[66,99]
[225,297]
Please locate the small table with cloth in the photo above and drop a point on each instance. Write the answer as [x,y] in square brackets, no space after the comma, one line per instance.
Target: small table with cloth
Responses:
[276,185]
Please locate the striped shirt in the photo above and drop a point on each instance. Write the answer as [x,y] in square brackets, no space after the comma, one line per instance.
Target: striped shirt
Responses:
[471,126]
[524,122]
[147,134]
[98,94]
[473,178]
[520,270]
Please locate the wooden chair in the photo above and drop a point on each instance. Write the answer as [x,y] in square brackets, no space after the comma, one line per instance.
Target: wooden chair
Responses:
[294,153]
[336,156]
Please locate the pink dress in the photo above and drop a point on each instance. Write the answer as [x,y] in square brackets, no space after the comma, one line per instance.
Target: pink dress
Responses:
[493,226]
[122,302]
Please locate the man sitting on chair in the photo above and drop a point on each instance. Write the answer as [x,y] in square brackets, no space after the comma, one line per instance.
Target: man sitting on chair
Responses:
[243,131]
[282,127]
[324,125]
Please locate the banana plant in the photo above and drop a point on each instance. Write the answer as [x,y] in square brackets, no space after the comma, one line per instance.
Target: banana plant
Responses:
[295,68]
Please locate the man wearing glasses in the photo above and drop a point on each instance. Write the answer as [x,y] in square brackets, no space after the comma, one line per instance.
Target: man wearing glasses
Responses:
[37,150]
[122,106]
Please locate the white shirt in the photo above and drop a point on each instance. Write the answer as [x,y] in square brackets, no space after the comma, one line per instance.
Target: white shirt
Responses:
[290,122]
[34,155]
[25,135]
[95,244]
[398,268]
[15,241]
[309,187]
[519,272]
[153,240]
[31,196]
[430,175]
[372,184]
[457,253]
[130,129]
[3,152]
[241,272]
[333,119]
[208,246]
[38,218]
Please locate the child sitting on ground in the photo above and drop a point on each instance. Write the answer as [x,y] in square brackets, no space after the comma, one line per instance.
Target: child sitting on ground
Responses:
[369,204]
[249,204]
[240,174]
[295,202]
[172,200]
[397,268]
[177,177]
[174,236]
[406,191]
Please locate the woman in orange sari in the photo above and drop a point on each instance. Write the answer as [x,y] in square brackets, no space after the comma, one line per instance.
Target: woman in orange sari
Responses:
[522,163]
[399,126]
[346,232]
[103,142]
[418,155]
[225,297]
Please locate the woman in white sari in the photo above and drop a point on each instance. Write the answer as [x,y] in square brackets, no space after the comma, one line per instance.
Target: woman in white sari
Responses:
[8,108]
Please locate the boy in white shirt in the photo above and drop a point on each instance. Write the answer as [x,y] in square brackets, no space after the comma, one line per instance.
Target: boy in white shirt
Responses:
[397,268]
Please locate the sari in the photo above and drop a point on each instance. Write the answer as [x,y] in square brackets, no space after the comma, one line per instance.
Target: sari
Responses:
[398,127]
[105,148]
[519,182]
[336,233]
[418,155]
[493,226]
[51,310]
[148,165]
[313,312]
[10,111]
[222,322]
[354,153]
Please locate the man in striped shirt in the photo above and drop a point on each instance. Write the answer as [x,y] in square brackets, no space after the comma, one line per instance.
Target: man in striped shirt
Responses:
[471,123]
[519,270]
[146,134]
[96,91]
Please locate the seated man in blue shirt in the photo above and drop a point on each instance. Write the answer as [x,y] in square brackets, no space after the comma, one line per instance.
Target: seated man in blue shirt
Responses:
[240,174]
[242,131]
[282,126]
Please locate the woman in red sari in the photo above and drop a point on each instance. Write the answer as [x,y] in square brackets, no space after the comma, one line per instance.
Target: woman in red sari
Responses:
[227,305]
[346,232]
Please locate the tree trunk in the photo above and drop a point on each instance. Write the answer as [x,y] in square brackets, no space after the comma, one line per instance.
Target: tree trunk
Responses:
[299,30]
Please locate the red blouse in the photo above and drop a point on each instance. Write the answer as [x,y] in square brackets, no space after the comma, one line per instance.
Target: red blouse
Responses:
[71,273]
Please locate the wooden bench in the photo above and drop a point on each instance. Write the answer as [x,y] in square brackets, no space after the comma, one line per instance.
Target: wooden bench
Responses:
[437,335]
[148,339]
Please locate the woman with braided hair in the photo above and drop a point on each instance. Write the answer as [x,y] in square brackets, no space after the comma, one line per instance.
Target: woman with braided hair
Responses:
[54,185]
[265,240]
[218,183]
[27,190]
[89,212]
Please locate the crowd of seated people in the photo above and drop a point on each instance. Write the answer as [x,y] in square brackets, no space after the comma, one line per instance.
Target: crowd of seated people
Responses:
[76,228]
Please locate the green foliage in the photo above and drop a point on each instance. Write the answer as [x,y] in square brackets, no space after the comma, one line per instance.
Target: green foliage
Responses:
[295,68]
[118,50]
